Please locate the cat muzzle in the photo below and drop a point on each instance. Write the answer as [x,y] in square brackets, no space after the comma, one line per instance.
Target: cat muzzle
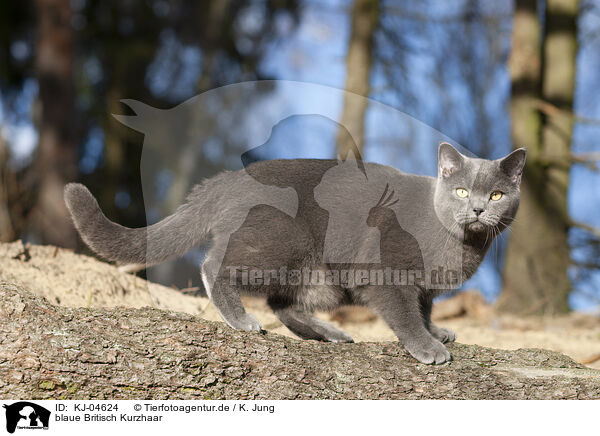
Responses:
[476,226]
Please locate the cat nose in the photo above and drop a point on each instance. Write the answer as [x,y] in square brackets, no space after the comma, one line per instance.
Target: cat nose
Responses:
[477,210]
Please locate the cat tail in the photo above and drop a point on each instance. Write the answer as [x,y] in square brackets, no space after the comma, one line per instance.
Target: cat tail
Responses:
[171,237]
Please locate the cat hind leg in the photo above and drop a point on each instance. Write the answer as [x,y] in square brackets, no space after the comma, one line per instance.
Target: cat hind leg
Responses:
[305,325]
[226,299]
[442,334]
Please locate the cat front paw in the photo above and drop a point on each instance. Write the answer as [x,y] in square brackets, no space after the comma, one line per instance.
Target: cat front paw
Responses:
[441,334]
[429,351]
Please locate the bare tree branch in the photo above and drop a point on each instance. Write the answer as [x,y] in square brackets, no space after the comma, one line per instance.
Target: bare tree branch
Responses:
[553,111]
[586,157]
[591,229]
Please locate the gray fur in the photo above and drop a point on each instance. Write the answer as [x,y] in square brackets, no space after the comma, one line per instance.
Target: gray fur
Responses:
[327,216]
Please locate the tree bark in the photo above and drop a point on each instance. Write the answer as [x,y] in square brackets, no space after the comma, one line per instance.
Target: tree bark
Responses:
[57,156]
[542,66]
[51,352]
[359,60]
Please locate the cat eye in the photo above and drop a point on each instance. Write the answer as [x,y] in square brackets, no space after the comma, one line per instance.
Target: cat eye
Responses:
[496,195]
[462,193]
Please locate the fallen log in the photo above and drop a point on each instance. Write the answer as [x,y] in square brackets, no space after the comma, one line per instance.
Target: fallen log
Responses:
[54,352]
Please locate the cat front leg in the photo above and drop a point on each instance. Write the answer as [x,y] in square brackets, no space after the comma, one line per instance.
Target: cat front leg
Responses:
[400,308]
[305,325]
[441,334]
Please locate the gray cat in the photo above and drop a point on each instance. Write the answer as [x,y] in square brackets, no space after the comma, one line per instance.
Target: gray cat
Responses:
[316,234]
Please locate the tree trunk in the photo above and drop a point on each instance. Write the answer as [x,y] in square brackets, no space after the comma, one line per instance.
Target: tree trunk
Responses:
[7,231]
[56,160]
[365,18]
[537,256]
[48,352]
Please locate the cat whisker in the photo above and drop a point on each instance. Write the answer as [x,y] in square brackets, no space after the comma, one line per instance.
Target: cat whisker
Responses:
[454,226]
[496,232]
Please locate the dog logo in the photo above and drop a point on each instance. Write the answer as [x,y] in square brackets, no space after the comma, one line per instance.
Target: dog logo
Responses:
[26,415]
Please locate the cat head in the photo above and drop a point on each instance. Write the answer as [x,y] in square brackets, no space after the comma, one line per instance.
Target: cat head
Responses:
[477,195]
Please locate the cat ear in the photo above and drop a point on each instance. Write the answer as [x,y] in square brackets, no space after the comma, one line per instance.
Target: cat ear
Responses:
[512,165]
[449,159]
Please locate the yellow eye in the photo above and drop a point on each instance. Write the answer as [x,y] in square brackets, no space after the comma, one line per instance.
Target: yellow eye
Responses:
[496,195]
[462,193]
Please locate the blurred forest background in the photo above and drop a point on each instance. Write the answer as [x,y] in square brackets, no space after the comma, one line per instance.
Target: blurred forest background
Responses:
[488,74]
